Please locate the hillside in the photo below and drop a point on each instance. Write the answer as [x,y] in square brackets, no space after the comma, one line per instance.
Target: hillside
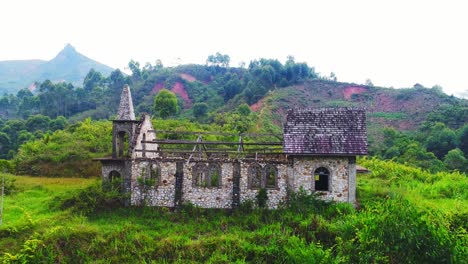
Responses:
[402,109]
[69,66]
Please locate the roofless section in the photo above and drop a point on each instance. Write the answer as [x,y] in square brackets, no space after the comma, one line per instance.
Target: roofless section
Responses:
[202,145]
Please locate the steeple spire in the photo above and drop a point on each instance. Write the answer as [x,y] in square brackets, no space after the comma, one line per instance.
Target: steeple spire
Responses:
[126,105]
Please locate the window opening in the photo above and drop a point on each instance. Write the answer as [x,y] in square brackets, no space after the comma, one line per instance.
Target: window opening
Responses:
[214,176]
[123,144]
[255,176]
[270,176]
[321,177]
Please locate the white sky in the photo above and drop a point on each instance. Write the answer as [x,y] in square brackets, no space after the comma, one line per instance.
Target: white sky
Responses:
[394,43]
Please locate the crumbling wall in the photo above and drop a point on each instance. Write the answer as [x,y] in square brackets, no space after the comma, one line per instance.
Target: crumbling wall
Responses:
[145,134]
[294,174]
[162,193]
[209,197]
[275,195]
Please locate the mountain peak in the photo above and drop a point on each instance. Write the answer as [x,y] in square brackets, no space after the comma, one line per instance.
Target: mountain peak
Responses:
[68,50]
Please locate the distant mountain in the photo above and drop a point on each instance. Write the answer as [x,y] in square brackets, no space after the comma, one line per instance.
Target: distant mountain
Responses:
[69,65]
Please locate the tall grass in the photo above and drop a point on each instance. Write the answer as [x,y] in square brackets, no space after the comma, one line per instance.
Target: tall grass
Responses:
[73,221]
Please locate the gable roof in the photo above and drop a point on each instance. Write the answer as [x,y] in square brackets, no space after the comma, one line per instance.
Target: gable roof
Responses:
[325,131]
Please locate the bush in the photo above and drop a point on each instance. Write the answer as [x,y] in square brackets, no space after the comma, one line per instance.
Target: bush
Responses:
[262,198]
[10,186]
[6,166]
[395,231]
[93,199]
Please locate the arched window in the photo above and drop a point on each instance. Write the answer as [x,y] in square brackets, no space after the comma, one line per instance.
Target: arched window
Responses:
[155,174]
[115,180]
[213,178]
[321,177]
[271,174]
[123,144]
[198,175]
[255,176]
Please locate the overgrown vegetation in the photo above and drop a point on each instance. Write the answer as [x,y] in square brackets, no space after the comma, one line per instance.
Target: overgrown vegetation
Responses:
[421,221]
[67,152]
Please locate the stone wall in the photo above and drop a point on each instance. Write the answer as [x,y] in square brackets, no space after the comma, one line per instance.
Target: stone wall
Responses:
[209,197]
[145,135]
[294,174]
[303,176]
[275,195]
[162,193]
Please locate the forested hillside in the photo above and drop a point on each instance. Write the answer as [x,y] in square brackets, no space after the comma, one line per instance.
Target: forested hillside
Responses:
[416,125]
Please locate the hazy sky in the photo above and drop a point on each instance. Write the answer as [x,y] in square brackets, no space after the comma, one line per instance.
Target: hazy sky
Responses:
[394,43]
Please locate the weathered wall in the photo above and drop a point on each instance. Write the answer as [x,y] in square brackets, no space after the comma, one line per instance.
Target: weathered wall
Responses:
[297,173]
[303,176]
[123,167]
[275,195]
[127,126]
[209,197]
[160,194]
[144,127]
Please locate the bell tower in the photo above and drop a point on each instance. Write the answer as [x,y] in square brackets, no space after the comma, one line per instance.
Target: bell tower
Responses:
[124,127]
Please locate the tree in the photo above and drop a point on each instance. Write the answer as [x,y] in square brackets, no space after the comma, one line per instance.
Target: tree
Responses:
[200,110]
[369,83]
[441,139]
[165,104]
[219,60]
[38,122]
[232,88]
[92,79]
[5,144]
[454,160]
[463,139]
[244,109]
[134,66]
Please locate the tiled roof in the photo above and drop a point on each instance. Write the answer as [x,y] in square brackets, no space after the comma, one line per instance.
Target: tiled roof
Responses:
[326,131]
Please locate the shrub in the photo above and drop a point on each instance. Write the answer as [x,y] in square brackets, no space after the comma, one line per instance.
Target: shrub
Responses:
[262,198]
[10,186]
[6,166]
[92,199]
[395,231]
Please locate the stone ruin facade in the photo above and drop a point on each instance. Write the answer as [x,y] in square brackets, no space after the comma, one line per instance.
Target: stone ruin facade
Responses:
[319,150]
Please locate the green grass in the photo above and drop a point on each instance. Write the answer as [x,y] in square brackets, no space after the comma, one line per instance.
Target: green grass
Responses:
[402,212]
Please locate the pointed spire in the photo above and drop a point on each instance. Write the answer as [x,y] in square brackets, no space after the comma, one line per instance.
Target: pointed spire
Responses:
[126,105]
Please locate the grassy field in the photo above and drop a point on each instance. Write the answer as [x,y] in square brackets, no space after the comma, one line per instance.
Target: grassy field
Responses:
[405,215]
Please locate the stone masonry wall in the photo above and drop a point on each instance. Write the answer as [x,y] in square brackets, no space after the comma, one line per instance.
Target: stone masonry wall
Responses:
[275,195]
[160,194]
[209,197]
[144,134]
[294,174]
[303,176]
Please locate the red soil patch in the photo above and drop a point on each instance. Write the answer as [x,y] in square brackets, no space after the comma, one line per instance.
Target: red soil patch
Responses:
[257,106]
[157,87]
[187,77]
[349,91]
[179,89]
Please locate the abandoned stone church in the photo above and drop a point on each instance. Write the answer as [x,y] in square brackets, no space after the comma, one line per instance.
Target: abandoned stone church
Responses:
[317,152]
